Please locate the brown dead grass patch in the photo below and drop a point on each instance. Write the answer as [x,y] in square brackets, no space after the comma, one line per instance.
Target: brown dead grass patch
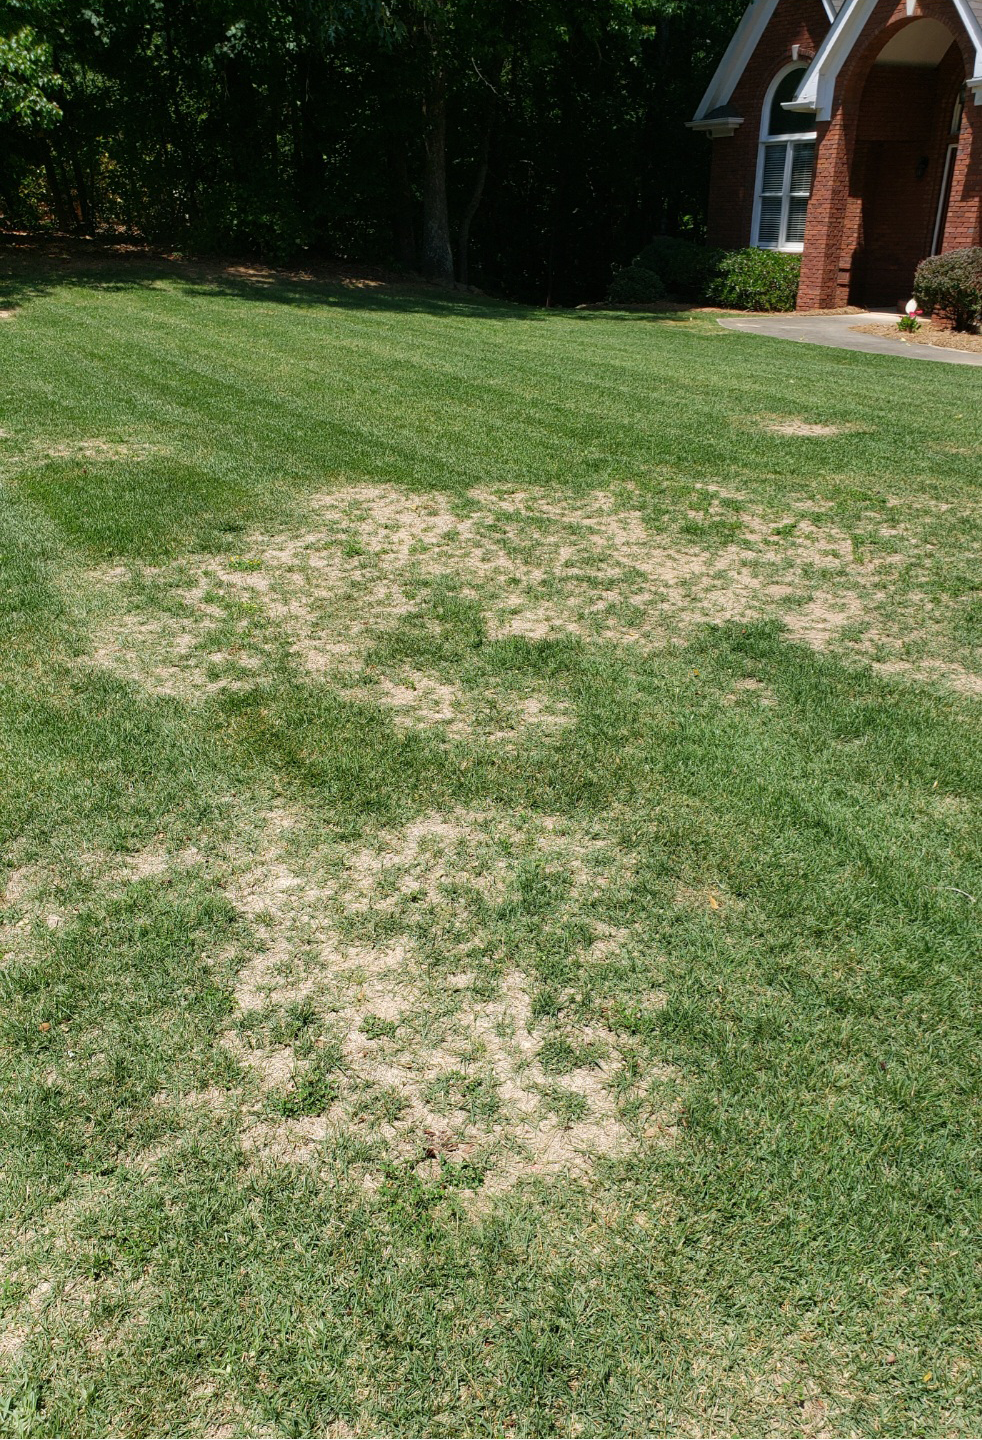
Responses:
[149,863]
[56,1305]
[952,677]
[821,620]
[452,1053]
[96,449]
[91,449]
[30,898]
[14,1339]
[489,1044]
[794,426]
[795,1402]
[751,689]
[416,698]
[539,566]
[24,882]
[168,655]
[419,862]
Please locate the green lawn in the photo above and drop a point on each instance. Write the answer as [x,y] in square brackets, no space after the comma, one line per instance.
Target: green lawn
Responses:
[490,851]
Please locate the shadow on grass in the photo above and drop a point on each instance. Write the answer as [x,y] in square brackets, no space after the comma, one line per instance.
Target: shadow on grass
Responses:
[30,269]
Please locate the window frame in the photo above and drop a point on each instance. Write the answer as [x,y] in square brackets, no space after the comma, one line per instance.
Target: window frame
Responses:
[788,139]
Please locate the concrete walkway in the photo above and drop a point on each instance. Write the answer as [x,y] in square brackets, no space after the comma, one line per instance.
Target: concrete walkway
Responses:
[838,331]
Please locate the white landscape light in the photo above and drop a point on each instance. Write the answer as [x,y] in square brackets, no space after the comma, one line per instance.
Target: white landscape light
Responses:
[908,323]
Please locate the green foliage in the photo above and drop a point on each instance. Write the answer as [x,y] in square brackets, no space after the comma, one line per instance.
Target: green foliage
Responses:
[377,1028]
[276,128]
[316,1088]
[952,285]
[26,77]
[687,268]
[757,280]
[636,285]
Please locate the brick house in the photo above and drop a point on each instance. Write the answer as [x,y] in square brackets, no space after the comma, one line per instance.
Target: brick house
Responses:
[849,131]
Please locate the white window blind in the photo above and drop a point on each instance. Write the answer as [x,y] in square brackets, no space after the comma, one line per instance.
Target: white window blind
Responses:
[787,159]
[785,185]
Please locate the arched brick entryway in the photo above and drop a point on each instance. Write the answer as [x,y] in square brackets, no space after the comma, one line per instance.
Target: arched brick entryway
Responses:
[898,169]
[881,160]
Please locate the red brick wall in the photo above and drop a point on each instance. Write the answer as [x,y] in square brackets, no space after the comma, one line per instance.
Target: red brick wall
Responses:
[897,169]
[832,221]
[734,164]
[854,205]
[964,223]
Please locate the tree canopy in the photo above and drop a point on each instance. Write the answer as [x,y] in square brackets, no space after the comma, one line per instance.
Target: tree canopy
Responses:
[522,146]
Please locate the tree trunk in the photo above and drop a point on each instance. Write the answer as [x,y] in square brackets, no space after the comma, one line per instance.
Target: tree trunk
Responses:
[403,229]
[64,212]
[437,252]
[81,191]
[470,209]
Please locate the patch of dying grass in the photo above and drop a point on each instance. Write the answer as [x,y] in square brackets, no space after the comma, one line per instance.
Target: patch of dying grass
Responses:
[711,899]
[49,1303]
[413,698]
[93,450]
[153,861]
[166,656]
[940,672]
[422,1046]
[794,426]
[25,881]
[220,1415]
[30,899]
[538,567]
[96,449]
[750,688]
[416,698]
[469,1074]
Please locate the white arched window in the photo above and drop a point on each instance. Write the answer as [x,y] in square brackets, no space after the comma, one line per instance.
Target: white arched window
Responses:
[784,168]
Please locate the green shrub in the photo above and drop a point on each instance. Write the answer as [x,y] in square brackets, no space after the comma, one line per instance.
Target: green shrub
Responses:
[757,280]
[635,285]
[687,269]
[952,285]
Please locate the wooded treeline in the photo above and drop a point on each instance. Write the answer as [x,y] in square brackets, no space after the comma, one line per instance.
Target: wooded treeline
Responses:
[523,145]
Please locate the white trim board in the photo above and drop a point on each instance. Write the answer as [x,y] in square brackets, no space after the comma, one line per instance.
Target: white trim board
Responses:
[738,53]
[818,87]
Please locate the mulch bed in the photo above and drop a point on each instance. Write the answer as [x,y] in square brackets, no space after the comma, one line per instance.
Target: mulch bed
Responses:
[927,335]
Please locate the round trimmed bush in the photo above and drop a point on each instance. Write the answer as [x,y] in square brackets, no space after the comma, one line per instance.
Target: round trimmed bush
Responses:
[688,269]
[952,285]
[757,280]
[636,285]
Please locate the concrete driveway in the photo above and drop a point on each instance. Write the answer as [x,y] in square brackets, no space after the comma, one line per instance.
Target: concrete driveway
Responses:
[839,332]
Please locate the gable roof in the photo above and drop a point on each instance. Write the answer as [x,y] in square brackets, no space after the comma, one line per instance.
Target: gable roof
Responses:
[715,113]
[736,57]
[817,89]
